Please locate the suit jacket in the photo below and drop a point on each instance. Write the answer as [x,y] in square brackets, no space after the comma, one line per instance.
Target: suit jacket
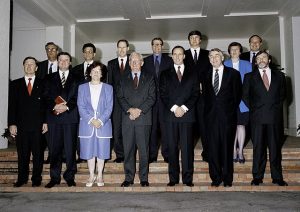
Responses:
[165,63]
[113,69]
[202,65]
[266,107]
[222,106]
[42,69]
[143,97]
[53,88]
[24,111]
[102,113]
[78,72]
[245,56]
[173,92]
[244,67]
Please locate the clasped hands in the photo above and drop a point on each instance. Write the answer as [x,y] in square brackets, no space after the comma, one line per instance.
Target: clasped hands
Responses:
[134,113]
[96,123]
[179,112]
[60,108]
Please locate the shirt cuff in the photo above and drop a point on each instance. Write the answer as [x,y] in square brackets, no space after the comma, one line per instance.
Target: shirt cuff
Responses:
[90,120]
[174,108]
[101,122]
[184,108]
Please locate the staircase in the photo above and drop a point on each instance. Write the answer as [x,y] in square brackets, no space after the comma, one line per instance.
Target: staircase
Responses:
[158,175]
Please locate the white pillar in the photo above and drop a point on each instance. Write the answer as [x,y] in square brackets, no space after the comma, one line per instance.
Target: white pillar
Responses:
[4,61]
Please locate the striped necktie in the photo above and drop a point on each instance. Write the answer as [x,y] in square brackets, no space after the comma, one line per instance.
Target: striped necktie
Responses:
[63,79]
[216,82]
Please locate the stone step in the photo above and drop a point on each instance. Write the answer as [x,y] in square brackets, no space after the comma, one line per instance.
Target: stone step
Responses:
[199,165]
[159,177]
[154,187]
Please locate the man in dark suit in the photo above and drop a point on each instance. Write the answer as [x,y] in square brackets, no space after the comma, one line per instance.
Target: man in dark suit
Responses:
[179,91]
[46,67]
[26,121]
[62,119]
[222,95]
[136,95]
[155,64]
[264,91]
[197,59]
[79,71]
[89,53]
[116,68]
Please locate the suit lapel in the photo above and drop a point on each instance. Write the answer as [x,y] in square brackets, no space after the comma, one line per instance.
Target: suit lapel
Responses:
[224,80]
[258,79]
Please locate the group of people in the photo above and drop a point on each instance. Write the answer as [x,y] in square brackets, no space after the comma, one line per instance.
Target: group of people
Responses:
[143,104]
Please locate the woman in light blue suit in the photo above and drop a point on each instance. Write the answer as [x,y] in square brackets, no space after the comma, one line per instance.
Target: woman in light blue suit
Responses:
[243,66]
[95,103]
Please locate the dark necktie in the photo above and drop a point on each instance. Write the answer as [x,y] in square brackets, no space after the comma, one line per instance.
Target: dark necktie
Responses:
[253,57]
[135,81]
[195,57]
[85,73]
[122,66]
[50,68]
[29,86]
[216,82]
[266,80]
[156,65]
[63,79]
[179,74]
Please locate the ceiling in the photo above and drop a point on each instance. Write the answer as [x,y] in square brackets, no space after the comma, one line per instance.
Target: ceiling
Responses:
[140,20]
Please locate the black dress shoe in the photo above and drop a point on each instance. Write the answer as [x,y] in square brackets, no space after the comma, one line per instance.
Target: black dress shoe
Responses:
[242,161]
[51,184]
[36,184]
[126,184]
[119,160]
[166,160]
[47,161]
[256,182]
[19,184]
[71,183]
[227,184]
[280,182]
[235,160]
[79,160]
[215,183]
[190,184]
[171,184]
[151,160]
[144,183]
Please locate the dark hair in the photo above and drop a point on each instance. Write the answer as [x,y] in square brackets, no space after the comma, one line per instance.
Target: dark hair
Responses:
[195,32]
[51,43]
[89,45]
[178,47]
[252,36]
[123,40]
[235,44]
[262,52]
[94,65]
[30,58]
[152,41]
[64,53]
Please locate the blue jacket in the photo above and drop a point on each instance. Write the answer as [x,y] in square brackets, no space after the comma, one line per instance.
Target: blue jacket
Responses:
[244,68]
[103,112]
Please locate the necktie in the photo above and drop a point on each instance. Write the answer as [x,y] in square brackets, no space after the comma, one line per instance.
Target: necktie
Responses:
[253,57]
[216,82]
[122,66]
[195,57]
[135,81]
[85,73]
[266,80]
[29,86]
[50,68]
[156,65]
[179,74]
[63,79]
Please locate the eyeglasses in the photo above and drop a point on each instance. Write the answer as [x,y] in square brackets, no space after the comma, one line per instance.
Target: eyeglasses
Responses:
[157,44]
[50,49]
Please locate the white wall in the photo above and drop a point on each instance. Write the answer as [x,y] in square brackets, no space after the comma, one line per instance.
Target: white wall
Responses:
[4,55]
[28,39]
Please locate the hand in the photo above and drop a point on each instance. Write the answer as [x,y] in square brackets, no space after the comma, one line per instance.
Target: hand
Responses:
[60,108]
[13,130]
[134,113]
[96,123]
[179,112]
[44,128]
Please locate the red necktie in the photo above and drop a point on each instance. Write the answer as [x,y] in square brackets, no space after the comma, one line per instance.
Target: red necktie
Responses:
[266,80]
[135,81]
[29,86]
[122,66]
[179,74]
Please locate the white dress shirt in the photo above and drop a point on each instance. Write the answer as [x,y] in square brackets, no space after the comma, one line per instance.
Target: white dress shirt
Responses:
[32,80]
[193,52]
[268,72]
[54,66]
